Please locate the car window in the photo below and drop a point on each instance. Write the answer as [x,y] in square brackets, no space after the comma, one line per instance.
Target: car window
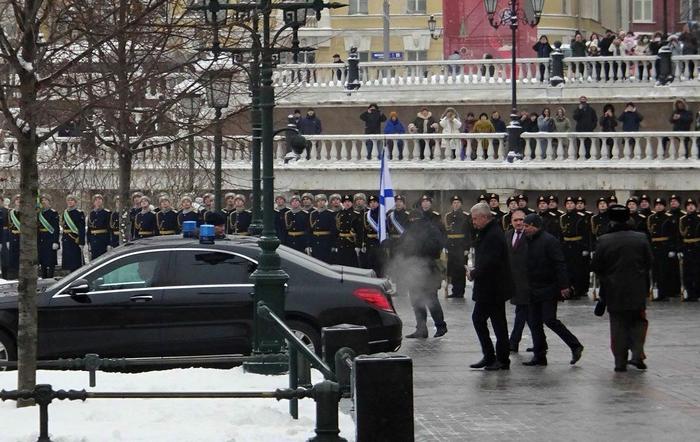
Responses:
[131,272]
[206,267]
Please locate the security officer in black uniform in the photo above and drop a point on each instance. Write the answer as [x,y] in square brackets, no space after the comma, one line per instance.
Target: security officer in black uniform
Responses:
[146,224]
[73,239]
[458,230]
[523,202]
[349,227]
[689,228]
[48,241]
[98,228]
[512,204]
[664,233]
[576,243]
[14,227]
[239,218]
[323,230]
[637,220]
[186,212]
[370,244]
[296,226]
[166,218]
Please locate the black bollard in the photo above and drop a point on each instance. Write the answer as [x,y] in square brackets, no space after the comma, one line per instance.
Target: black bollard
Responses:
[327,395]
[338,336]
[556,76]
[383,389]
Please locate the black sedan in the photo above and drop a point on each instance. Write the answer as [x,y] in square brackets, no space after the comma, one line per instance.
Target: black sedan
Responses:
[170,296]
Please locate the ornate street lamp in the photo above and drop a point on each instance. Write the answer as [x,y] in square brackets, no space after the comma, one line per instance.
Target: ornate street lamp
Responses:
[435,33]
[218,95]
[190,104]
[512,16]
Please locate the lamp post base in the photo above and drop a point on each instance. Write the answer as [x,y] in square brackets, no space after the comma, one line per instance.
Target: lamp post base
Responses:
[255,228]
[514,130]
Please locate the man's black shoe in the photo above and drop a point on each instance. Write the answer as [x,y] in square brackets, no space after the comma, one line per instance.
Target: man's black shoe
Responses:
[482,363]
[441,331]
[530,349]
[513,348]
[498,365]
[639,364]
[534,362]
[576,354]
[418,334]
[620,369]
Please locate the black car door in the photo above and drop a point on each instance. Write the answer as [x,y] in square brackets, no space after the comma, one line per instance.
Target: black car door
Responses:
[117,317]
[207,307]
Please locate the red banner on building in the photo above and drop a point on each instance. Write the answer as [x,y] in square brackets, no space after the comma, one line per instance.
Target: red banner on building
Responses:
[467,30]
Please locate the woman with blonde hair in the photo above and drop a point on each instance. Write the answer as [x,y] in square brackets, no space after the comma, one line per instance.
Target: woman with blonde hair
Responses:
[451,123]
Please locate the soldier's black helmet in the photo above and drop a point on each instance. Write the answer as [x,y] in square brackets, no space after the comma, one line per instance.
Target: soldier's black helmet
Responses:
[569,198]
[553,198]
[612,199]
[346,197]
[481,198]
[675,197]
[373,198]
[690,201]
[493,196]
[399,198]
[660,201]
[542,199]
[456,198]
[426,198]
[645,197]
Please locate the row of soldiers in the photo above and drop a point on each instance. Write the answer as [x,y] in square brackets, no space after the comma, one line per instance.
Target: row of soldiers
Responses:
[673,229]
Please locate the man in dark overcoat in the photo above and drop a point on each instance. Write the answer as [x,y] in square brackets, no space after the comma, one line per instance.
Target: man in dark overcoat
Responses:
[517,251]
[622,262]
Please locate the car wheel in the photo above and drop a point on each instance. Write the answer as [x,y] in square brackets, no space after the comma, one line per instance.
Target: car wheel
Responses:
[307,334]
[8,350]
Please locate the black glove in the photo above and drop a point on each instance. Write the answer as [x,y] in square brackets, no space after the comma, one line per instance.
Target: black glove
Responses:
[599,308]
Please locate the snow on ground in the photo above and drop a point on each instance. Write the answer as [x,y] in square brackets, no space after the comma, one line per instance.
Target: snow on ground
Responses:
[190,420]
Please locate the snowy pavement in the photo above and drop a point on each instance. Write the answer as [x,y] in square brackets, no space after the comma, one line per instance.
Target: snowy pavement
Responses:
[190,420]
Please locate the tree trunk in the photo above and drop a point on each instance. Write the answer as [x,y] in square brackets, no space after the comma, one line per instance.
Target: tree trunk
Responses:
[125,158]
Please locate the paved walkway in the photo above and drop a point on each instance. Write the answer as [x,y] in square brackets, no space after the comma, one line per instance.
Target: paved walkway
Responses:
[586,402]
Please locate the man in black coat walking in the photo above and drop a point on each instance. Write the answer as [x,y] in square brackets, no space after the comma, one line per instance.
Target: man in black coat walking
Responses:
[493,285]
[517,251]
[622,261]
[548,280]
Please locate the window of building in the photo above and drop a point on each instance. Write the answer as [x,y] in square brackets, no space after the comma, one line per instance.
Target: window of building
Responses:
[415,6]
[363,55]
[642,11]
[689,11]
[358,7]
[416,55]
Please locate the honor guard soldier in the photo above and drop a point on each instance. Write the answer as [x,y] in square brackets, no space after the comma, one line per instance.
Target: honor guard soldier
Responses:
[135,209]
[555,213]
[370,243]
[576,243]
[98,228]
[4,247]
[645,205]
[239,218]
[495,206]
[457,227]
[166,218]
[296,226]
[229,204]
[323,230]
[397,221]
[522,204]
[689,227]
[307,201]
[550,219]
[360,206]
[600,222]
[334,203]
[48,240]
[637,220]
[280,209]
[73,238]
[348,226]
[186,212]
[145,222]
[207,207]
[14,232]
[581,207]
[663,231]
[512,204]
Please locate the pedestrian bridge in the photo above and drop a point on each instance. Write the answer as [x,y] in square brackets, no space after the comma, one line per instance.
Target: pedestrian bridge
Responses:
[625,78]
[618,161]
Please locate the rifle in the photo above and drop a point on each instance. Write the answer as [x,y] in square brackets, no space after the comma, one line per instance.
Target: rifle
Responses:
[684,295]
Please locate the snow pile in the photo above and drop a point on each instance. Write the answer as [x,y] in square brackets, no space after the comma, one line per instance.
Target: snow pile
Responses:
[190,420]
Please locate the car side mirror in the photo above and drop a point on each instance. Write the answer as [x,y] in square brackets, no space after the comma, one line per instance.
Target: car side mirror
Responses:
[78,287]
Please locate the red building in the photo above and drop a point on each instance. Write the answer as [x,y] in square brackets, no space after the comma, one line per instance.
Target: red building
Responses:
[467,30]
[648,16]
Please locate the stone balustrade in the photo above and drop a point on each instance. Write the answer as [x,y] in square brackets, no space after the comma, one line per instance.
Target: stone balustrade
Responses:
[529,71]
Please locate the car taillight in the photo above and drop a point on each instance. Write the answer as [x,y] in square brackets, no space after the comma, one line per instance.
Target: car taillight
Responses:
[374,297]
